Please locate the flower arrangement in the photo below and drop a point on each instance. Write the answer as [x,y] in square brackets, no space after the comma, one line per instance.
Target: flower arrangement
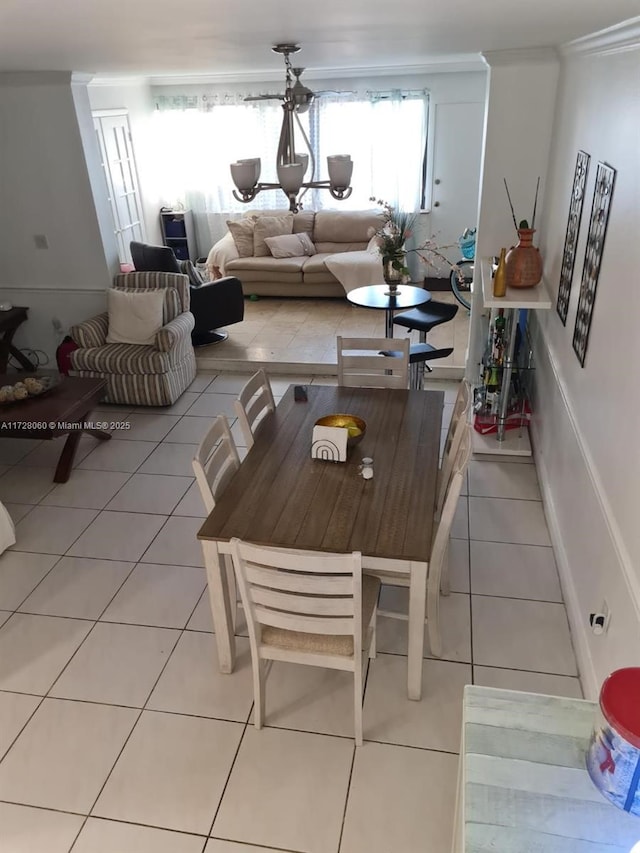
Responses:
[391,237]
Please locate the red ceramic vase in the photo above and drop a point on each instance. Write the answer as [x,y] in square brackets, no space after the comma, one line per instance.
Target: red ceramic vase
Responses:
[523,262]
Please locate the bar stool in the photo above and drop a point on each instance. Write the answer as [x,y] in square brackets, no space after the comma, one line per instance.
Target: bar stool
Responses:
[423,319]
[419,357]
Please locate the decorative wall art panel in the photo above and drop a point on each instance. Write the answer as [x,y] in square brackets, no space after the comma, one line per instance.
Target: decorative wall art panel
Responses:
[603,190]
[571,237]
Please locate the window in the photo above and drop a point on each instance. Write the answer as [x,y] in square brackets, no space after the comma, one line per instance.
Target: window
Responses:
[385,134]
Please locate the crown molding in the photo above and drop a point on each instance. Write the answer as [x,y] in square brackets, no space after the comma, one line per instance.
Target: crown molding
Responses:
[459,63]
[35,78]
[617,39]
[520,56]
[113,80]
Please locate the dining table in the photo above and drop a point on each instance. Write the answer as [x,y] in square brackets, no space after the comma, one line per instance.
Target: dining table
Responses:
[281,496]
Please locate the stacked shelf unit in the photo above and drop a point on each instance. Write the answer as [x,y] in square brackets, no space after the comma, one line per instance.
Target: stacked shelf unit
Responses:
[178,233]
[503,418]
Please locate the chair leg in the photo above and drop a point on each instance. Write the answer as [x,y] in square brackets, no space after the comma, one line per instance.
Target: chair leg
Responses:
[259,684]
[233,592]
[433,623]
[445,585]
[357,701]
[372,643]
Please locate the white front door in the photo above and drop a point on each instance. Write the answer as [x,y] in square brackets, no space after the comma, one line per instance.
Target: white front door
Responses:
[457,153]
[118,162]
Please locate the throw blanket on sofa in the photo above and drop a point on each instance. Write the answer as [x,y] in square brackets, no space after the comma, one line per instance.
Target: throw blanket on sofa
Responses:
[355,269]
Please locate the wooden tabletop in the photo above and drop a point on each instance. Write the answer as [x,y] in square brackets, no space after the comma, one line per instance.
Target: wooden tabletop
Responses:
[281,496]
[71,399]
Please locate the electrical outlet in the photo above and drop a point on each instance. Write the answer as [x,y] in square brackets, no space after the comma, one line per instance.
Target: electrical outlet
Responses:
[599,620]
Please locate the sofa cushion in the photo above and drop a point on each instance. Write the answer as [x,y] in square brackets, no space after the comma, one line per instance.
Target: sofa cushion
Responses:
[267,269]
[269,226]
[331,248]
[135,317]
[336,226]
[315,271]
[303,221]
[122,359]
[242,232]
[290,245]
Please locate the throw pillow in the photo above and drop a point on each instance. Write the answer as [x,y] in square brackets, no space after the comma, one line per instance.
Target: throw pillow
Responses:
[171,306]
[270,226]
[290,245]
[242,233]
[134,318]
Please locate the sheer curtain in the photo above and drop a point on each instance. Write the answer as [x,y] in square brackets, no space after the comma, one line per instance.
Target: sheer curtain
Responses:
[198,137]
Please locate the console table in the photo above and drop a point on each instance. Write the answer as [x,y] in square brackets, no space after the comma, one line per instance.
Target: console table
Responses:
[9,322]
[522,782]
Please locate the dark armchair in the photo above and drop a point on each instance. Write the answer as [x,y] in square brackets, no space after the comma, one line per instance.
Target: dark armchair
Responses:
[213,303]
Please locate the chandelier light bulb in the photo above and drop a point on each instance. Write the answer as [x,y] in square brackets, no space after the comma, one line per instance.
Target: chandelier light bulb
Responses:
[246,173]
[290,177]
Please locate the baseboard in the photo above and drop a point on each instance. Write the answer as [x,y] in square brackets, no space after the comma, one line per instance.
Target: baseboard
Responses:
[579,636]
[593,561]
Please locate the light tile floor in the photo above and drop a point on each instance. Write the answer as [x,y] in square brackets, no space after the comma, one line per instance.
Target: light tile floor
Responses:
[283,332]
[118,734]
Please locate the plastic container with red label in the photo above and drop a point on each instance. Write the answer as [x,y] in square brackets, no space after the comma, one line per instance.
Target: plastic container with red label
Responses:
[613,757]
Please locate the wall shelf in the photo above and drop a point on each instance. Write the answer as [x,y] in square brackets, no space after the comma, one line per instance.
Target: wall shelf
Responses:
[537,297]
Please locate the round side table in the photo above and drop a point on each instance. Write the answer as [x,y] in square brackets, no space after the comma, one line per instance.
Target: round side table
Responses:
[377,296]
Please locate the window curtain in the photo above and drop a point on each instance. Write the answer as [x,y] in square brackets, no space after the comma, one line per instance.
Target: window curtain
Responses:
[199,136]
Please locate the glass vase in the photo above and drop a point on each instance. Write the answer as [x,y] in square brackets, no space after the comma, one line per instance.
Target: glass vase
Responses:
[392,276]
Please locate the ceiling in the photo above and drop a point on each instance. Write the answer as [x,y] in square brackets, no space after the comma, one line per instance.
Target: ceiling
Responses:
[232,37]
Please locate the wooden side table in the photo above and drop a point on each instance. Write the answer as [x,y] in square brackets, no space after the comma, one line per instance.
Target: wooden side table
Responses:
[522,782]
[9,322]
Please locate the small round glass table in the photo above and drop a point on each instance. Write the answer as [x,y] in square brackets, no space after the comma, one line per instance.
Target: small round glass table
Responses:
[378,296]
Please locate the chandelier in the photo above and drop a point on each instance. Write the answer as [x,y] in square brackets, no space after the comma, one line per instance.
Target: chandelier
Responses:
[292,166]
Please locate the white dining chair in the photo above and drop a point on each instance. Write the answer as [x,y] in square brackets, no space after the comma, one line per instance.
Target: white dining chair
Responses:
[361,363]
[253,403]
[215,462]
[438,557]
[308,608]
[459,419]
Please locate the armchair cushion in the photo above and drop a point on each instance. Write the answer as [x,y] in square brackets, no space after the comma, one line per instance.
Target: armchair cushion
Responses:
[134,317]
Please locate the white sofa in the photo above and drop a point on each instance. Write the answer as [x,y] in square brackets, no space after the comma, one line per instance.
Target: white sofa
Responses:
[333,232]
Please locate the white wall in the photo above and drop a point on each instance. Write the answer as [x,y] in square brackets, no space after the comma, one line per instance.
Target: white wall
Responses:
[135,99]
[587,419]
[47,189]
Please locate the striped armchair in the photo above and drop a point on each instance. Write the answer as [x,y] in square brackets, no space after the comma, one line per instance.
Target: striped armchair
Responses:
[140,375]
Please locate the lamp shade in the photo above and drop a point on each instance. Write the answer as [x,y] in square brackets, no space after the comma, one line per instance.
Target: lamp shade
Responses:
[245,173]
[340,168]
[304,160]
[290,177]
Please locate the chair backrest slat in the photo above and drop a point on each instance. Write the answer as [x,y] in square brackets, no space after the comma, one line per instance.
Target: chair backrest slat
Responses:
[322,585]
[215,462]
[318,604]
[303,623]
[361,365]
[254,401]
